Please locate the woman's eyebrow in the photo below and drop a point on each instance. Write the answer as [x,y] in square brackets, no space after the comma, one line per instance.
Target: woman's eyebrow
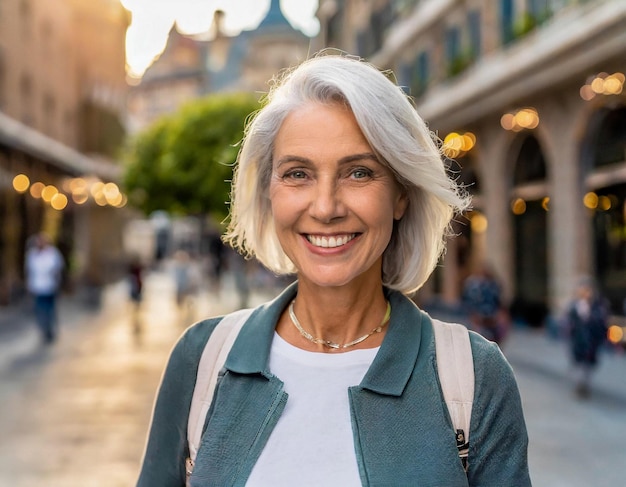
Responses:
[359,157]
[344,160]
[290,158]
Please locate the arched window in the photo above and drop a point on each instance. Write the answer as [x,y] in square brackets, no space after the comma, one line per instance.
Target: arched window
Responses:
[531,166]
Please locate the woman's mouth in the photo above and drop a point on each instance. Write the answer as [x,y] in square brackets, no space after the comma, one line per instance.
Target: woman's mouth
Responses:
[330,242]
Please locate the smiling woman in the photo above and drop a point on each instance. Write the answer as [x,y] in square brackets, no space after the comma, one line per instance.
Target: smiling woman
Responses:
[329,188]
[339,182]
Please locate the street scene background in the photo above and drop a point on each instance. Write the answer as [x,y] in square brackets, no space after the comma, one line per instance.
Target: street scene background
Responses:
[120,122]
[76,415]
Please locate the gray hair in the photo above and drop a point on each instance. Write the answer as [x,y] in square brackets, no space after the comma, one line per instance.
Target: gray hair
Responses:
[398,136]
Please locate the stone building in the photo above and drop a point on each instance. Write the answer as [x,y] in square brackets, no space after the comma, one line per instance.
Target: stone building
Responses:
[192,66]
[62,103]
[528,99]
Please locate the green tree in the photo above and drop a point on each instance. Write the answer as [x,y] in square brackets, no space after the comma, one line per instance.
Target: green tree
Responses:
[183,163]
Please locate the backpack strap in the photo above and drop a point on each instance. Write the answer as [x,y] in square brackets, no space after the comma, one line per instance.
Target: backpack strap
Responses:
[455,367]
[211,362]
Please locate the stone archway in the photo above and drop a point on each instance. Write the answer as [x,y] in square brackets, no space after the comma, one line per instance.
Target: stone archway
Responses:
[529,206]
[604,163]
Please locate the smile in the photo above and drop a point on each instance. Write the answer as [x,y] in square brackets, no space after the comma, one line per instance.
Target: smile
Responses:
[330,242]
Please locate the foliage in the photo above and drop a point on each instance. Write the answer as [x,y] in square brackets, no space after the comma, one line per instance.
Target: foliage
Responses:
[183,162]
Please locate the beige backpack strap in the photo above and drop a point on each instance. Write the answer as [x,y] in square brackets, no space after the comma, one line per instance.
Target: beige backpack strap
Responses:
[211,362]
[455,367]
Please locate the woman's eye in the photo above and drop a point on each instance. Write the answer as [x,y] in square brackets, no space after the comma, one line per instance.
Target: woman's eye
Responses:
[361,173]
[295,174]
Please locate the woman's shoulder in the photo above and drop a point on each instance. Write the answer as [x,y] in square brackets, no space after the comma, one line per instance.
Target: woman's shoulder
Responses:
[191,343]
[491,366]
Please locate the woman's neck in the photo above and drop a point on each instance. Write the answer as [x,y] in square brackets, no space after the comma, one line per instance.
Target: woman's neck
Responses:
[338,314]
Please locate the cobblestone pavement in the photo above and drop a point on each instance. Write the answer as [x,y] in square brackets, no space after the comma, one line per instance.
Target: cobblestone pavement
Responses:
[76,414]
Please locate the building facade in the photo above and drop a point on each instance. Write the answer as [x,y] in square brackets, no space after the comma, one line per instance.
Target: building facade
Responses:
[528,99]
[191,67]
[62,102]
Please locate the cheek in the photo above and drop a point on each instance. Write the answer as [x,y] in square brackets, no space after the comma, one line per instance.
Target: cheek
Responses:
[283,204]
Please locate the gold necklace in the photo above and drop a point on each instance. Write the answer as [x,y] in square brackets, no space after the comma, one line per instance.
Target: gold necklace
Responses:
[333,345]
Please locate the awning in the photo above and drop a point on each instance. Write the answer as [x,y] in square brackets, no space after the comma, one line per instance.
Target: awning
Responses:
[23,138]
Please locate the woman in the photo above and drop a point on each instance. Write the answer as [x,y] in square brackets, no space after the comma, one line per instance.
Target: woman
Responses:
[334,382]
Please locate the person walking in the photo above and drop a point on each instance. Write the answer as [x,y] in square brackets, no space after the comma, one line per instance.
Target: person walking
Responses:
[482,300]
[586,322]
[44,266]
[335,381]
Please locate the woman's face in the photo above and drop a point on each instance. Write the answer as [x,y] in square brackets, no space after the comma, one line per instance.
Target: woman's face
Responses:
[333,203]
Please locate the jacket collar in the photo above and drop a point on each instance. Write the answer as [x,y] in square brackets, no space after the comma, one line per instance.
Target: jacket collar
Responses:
[392,367]
[251,350]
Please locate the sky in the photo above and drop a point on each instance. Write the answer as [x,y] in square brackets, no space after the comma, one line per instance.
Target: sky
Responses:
[152,20]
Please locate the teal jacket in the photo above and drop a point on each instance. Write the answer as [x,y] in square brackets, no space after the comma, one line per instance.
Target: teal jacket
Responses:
[403,434]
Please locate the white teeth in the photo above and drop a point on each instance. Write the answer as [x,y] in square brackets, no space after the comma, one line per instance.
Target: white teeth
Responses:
[330,242]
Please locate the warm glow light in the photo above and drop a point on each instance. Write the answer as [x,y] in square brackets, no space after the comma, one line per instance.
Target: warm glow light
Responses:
[97,188]
[77,184]
[545,202]
[525,118]
[615,334]
[597,85]
[457,145]
[469,141]
[518,206]
[58,201]
[80,196]
[604,202]
[478,222]
[603,84]
[100,199]
[590,200]
[586,93]
[111,193]
[612,86]
[36,189]
[48,193]
[124,201]
[21,183]
[114,201]
[507,121]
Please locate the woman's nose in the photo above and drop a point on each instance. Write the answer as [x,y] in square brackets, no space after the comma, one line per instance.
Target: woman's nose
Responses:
[327,202]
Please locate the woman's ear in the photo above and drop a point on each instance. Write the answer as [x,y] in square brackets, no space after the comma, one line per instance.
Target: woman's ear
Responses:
[402,201]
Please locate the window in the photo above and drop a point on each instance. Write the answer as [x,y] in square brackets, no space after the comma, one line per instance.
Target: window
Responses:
[507,20]
[475,41]
[421,74]
[26,98]
[455,59]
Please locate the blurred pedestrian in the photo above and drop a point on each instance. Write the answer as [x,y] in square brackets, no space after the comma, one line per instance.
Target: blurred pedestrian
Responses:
[135,279]
[186,281]
[482,300]
[44,266]
[586,322]
[240,268]
[135,274]
[217,259]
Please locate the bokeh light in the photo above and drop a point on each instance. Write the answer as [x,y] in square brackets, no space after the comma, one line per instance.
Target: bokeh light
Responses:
[603,84]
[457,145]
[518,206]
[36,189]
[525,118]
[21,183]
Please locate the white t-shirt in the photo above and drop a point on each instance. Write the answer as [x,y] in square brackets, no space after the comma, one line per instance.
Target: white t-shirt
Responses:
[312,443]
[43,268]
